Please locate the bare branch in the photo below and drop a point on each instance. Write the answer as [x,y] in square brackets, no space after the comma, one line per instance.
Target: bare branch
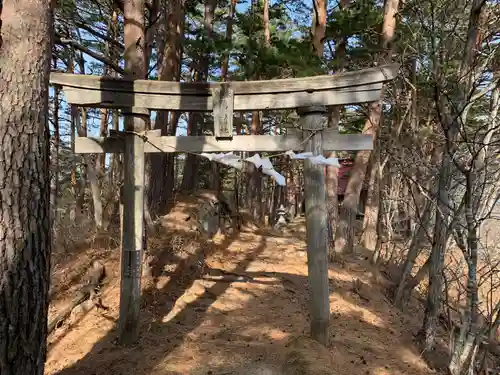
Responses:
[104,37]
[64,41]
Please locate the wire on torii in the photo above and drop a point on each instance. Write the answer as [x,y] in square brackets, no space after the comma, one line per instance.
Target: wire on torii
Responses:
[235,161]
[264,164]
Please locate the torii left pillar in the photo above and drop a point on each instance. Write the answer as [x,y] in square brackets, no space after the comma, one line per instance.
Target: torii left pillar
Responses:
[313,121]
[132,228]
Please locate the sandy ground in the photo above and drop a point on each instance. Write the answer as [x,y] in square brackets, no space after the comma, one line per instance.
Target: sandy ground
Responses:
[212,305]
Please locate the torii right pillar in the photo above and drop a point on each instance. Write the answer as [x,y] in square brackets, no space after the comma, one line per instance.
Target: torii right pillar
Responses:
[313,120]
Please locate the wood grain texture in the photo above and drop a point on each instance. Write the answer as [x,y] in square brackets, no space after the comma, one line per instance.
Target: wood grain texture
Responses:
[133,178]
[242,102]
[257,143]
[316,227]
[324,82]
[223,104]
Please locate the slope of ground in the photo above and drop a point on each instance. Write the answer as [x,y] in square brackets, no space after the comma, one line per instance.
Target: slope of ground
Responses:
[209,306]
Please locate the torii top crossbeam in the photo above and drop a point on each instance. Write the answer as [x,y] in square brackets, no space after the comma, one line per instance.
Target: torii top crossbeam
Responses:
[224,98]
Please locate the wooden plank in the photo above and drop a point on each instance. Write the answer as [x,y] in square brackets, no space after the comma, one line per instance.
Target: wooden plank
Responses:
[132,237]
[109,99]
[257,143]
[316,227]
[136,121]
[223,104]
[383,73]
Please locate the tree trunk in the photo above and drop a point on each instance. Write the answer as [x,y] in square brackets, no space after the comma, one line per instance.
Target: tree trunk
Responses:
[344,241]
[291,190]
[103,132]
[25,59]
[170,36]
[440,238]
[464,348]
[413,253]
[115,178]
[319,27]
[370,228]
[190,170]
[76,206]
[254,187]
[265,19]
[229,38]
[333,121]
[54,159]
[413,282]
[90,163]
[197,120]
[452,124]
[423,229]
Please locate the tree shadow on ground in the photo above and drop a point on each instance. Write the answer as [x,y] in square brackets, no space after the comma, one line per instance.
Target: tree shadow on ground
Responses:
[439,357]
[367,334]
[156,304]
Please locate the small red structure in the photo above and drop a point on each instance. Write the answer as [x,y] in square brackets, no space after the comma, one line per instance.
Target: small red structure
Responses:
[346,166]
[344,172]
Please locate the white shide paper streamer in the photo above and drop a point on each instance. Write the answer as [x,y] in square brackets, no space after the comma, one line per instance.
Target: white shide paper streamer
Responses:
[234,161]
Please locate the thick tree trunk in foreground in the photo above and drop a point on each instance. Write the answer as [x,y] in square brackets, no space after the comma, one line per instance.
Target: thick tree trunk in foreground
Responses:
[25,54]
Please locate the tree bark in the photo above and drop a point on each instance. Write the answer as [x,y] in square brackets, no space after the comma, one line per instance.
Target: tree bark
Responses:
[254,187]
[134,210]
[370,227]
[90,163]
[333,121]
[436,259]
[25,245]
[423,229]
[54,159]
[412,255]
[74,183]
[344,241]
[197,120]
[453,118]
[319,27]
[170,36]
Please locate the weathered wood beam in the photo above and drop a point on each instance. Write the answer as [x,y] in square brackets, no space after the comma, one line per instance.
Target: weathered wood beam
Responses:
[257,143]
[242,102]
[316,226]
[325,82]
[223,103]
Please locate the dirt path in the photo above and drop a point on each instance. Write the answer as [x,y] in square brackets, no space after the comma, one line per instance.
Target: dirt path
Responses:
[241,299]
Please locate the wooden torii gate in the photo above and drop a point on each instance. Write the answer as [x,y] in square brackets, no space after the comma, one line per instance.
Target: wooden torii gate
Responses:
[308,95]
